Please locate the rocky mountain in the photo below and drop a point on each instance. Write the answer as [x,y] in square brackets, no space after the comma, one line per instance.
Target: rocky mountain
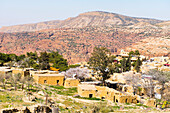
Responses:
[76,37]
[94,19]
[164,25]
[76,44]
[153,46]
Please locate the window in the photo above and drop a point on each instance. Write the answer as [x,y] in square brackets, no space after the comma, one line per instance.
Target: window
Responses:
[45,81]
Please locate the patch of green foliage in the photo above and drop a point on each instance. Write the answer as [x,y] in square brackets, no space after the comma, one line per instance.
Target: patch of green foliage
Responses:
[5,97]
[88,98]
[57,87]
[74,66]
[139,104]
[37,62]
[64,91]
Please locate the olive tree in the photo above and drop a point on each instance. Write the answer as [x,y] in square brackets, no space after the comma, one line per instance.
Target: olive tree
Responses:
[2,80]
[14,79]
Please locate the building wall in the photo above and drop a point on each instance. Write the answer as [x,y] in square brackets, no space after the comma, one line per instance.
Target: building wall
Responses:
[127,99]
[108,94]
[150,102]
[50,80]
[5,72]
[71,83]
[17,71]
[86,93]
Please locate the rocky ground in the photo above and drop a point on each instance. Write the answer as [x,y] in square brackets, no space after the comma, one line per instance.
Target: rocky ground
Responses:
[64,99]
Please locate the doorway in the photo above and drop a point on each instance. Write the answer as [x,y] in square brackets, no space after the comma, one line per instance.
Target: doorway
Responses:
[90,95]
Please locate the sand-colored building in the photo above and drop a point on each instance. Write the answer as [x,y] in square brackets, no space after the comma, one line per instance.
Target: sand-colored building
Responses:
[124,54]
[103,92]
[5,70]
[23,72]
[150,102]
[71,82]
[50,79]
[121,77]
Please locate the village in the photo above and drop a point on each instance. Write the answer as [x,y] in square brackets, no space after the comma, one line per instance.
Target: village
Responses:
[142,85]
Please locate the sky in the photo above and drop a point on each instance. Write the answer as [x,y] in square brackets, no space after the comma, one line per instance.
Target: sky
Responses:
[14,12]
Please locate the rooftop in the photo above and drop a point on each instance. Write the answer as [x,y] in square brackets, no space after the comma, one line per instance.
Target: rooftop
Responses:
[88,87]
[48,74]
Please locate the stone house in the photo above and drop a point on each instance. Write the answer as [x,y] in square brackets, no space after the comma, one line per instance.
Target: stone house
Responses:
[50,79]
[5,70]
[107,93]
[71,82]
[88,91]
[23,72]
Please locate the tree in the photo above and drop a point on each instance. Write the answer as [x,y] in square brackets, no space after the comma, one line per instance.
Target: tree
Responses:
[58,61]
[44,61]
[138,64]
[2,80]
[133,79]
[149,85]
[23,81]
[14,79]
[123,65]
[32,55]
[137,52]
[79,73]
[128,64]
[100,61]
[131,53]
[29,81]
[160,76]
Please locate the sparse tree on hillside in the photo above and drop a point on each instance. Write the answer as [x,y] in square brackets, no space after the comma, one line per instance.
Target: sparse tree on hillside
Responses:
[29,81]
[14,79]
[23,81]
[2,80]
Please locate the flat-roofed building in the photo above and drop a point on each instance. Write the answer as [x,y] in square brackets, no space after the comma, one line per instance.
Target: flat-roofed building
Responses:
[50,79]
[71,82]
[102,92]
[5,70]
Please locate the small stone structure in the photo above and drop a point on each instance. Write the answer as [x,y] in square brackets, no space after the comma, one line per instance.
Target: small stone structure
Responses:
[150,102]
[71,82]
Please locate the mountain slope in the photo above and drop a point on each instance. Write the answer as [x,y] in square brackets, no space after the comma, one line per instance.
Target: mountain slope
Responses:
[95,18]
[76,44]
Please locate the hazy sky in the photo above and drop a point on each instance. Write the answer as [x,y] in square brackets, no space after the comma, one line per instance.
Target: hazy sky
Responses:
[13,12]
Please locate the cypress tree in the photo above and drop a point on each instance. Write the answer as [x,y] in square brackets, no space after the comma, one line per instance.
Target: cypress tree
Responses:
[123,65]
[128,64]
[138,64]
